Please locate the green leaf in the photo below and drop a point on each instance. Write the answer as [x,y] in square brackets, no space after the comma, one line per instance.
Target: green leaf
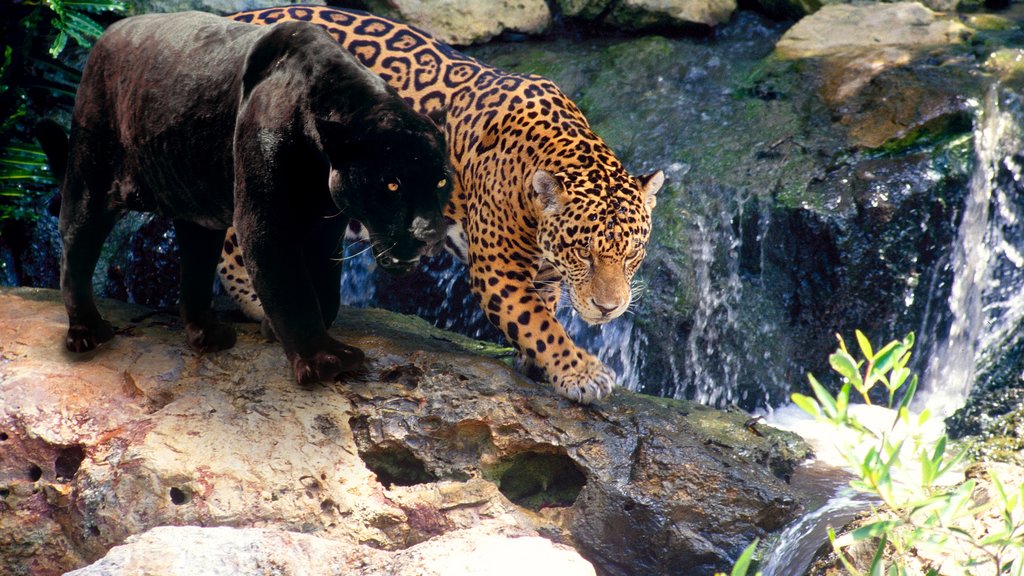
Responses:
[743,562]
[865,345]
[878,561]
[828,403]
[908,394]
[869,531]
[806,403]
[847,367]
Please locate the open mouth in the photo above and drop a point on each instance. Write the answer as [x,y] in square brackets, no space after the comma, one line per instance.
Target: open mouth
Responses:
[398,266]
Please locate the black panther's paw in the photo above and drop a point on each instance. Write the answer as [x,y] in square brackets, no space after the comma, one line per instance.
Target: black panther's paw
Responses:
[324,366]
[210,336]
[83,338]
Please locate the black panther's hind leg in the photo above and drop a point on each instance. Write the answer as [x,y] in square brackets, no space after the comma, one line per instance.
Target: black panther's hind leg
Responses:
[200,250]
[83,229]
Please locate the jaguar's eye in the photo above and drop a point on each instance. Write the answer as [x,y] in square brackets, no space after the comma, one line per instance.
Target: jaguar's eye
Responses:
[442,182]
[393,186]
[582,252]
[635,254]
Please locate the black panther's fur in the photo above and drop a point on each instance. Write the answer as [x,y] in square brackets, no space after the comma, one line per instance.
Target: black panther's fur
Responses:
[276,130]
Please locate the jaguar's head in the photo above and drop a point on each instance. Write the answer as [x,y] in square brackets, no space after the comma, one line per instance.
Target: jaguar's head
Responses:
[594,229]
[394,177]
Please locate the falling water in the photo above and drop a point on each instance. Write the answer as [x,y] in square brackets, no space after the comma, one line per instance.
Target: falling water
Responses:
[987,297]
[986,304]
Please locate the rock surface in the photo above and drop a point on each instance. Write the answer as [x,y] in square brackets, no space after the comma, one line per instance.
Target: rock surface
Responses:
[840,28]
[214,6]
[462,22]
[433,438]
[646,14]
[490,549]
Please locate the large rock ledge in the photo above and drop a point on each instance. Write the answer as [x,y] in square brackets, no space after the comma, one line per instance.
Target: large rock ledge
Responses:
[436,439]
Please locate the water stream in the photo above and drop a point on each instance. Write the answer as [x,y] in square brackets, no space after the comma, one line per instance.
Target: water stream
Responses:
[986,304]
[987,297]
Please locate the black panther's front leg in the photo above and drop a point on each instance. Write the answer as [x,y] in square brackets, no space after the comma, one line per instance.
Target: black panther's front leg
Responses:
[200,249]
[277,265]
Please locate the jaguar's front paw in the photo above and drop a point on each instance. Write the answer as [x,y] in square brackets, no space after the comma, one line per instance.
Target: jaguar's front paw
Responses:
[586,382]
[85,337]
[324,366]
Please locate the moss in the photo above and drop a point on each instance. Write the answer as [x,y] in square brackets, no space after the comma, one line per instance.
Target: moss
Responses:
[537,480]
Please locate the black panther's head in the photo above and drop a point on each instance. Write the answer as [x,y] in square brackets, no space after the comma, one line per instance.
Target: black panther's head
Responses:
[393,176]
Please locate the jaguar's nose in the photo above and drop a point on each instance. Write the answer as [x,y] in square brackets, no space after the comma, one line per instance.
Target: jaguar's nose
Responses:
[605,310]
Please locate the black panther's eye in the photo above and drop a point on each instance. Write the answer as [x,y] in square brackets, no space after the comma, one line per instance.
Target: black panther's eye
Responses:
[393,186]
[442,182]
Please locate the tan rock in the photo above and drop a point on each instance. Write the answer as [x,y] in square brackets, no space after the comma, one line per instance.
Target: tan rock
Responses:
[431,440]
[844,28]
[489,549]
[641,14]
[463,22]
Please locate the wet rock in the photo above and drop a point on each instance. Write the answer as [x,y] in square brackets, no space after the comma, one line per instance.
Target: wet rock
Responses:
[787,8]
[215,6]
[883,70]
[490,548]
[431,439]
[463,22]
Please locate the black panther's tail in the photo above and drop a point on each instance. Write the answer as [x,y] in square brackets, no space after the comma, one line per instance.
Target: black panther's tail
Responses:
[54,141]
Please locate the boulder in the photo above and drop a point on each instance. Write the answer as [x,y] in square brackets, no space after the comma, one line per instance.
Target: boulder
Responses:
[883,70]
[489,549]
[438,435]
[214,6]
[845,28]
[462,22]
[647,14]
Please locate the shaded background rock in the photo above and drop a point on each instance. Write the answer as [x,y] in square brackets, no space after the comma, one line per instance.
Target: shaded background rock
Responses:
[432,439]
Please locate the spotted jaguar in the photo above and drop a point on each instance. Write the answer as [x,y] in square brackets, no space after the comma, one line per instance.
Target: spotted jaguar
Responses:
[539,202]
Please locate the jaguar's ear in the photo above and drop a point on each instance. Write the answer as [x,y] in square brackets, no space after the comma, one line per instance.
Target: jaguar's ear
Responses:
[550,192]
[439,116]
[651,184]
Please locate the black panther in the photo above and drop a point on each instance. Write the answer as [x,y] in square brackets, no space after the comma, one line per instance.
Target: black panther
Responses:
[277,131]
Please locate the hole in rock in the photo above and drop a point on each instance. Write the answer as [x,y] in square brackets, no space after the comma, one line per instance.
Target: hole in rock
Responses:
[5,492]
[3,436]
[180,496]
[68,461]
[396,466]
[35,473]
[538,480]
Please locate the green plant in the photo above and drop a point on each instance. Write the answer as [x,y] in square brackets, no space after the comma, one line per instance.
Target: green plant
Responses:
[33,81]
[924,511]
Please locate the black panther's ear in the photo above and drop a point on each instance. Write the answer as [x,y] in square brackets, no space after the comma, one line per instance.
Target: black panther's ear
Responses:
[439,116]
[335,139]
[280,41]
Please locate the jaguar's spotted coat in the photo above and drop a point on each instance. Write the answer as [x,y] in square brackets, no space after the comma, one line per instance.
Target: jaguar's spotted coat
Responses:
[537,196]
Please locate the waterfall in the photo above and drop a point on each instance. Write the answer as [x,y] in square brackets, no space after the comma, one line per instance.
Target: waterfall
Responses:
[986,301]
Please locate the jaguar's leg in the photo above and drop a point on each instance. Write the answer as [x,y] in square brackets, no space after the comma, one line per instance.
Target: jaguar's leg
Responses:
[513,304]
[548,286]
